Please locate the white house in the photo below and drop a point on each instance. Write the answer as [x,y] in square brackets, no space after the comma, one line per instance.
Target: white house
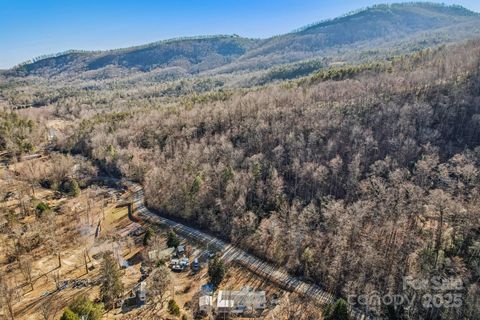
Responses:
[238,302]
[205,303]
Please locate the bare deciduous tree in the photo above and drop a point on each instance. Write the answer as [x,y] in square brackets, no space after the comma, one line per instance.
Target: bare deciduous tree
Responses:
[48,308]
[158,284]
[8,295]
[26,267]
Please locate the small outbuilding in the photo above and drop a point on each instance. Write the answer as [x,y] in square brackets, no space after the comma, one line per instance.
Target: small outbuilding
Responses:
[141,293]
[205,303]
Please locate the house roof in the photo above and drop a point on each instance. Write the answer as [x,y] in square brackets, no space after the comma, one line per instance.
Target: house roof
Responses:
[245,298]
[205,301]
[225,304]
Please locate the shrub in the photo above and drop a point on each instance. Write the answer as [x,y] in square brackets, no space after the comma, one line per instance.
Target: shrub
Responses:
[70,186]
[149,233]
[42,207]
[46,183]
[83,308]
[69,315]
[173,308]
[337,311]
[172,239]
[111,287]
[216,271]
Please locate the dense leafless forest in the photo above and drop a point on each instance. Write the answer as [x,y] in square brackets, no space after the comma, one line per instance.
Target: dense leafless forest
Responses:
[353,177]
[353,184]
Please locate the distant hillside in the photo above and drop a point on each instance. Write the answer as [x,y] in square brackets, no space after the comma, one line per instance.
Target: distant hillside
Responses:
[372,32]
[377,26]
[191,54]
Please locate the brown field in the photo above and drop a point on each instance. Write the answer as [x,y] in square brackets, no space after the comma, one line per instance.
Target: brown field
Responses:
[76,220]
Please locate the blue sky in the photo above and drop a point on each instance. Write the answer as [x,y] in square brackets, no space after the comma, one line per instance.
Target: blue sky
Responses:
[29,28]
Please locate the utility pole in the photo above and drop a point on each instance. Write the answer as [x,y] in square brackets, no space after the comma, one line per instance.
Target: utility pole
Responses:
[85,259]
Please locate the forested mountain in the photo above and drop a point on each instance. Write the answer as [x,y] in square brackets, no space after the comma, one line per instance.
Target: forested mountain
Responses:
[192,55]
[380,31]
[353,162]
[381,27]
[352,181]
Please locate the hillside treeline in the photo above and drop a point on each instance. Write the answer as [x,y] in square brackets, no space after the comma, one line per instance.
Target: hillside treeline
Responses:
[353,184]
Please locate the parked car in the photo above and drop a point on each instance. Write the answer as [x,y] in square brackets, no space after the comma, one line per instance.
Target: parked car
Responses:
[209,254]
[79,283]
[195,265]
[180,250]
[63,285]
[179,265]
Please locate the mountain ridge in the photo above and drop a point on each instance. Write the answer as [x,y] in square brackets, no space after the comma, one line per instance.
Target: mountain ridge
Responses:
[386,6]
[390,23]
